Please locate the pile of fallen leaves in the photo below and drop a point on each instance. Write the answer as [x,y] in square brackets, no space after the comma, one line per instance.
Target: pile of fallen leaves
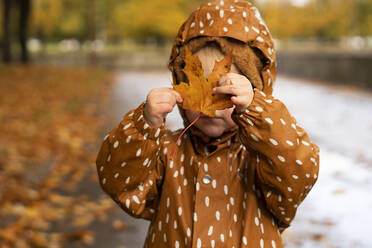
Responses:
[49,122]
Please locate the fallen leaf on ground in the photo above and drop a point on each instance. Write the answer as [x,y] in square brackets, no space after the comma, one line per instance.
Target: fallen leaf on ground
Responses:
[119,225]
[44,153]
[338,191]
[85,236]
[324,222]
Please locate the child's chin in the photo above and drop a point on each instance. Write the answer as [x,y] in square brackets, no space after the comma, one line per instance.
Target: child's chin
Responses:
[213,132]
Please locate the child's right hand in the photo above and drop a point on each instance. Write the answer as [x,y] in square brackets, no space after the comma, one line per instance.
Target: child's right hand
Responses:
[160,102]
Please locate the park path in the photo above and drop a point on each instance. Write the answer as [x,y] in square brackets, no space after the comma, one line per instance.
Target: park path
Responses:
[336,213]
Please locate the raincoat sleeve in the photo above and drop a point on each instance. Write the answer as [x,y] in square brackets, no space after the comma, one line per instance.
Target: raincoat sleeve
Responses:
[129,166]
[287,163]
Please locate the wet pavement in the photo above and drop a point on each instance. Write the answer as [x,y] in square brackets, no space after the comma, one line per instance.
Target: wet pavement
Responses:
[336,213]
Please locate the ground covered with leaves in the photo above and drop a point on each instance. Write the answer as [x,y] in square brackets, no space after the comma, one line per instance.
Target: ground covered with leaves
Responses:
[50,121]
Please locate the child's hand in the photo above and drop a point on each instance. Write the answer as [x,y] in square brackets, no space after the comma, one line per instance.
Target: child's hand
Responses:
[239,86]
[159,103]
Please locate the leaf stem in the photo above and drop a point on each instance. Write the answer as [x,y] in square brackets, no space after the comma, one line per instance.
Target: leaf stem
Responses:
[192,123]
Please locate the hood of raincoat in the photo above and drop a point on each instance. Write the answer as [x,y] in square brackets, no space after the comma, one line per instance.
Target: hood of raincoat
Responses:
[237,28]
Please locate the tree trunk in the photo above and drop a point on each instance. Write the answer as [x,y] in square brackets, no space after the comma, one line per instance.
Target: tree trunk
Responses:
[91,20]
[7,55]
[23,28]
[91,31]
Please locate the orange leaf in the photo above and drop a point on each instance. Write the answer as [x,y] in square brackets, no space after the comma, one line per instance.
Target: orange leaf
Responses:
[198,95]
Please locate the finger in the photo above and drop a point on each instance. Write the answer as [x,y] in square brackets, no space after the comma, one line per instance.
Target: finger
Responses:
[238,79]
[164,108]
[165,97]
[226,90]
[234,79]
[177,95]
[239,100]
[179,98]
[224,80]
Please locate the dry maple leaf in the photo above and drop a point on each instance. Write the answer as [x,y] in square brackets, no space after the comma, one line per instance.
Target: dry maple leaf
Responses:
[197,94]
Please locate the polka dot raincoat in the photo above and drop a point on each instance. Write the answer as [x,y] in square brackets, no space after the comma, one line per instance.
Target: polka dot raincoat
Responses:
[242,189]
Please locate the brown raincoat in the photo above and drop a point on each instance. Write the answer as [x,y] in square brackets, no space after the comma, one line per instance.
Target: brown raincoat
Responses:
[239,190]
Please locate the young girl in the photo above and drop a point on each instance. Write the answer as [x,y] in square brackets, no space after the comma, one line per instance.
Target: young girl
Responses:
[235,180]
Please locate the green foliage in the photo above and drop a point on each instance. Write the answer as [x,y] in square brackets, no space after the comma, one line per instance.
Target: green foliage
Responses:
[363,16]
[160,19]
[45,17]
[327,19]
[114,19]
[146,18]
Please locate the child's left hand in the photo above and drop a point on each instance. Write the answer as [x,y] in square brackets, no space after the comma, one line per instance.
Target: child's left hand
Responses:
[239,87]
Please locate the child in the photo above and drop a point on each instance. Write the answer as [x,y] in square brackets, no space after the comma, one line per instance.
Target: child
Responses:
[235,180]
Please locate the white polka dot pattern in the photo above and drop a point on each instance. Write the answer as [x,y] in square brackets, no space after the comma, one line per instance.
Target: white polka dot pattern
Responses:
[291,163]
[272,159]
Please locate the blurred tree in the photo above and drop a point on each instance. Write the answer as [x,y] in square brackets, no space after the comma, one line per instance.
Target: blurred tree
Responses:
[60,19]
[91,28]
[91,19]
[333,19]
[158,19]
[1,22]
[7,56]
[24,11]
[45,17]
[363,17]
[74,21]
[24,6]
[324,19]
